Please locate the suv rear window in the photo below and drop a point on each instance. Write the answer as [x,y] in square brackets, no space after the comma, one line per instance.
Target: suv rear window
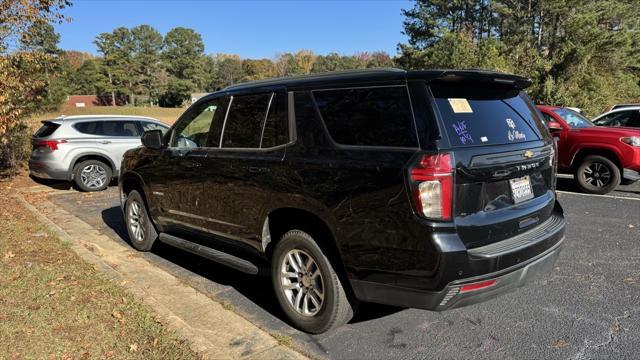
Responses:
[379,116]
[47,129]
[474,115]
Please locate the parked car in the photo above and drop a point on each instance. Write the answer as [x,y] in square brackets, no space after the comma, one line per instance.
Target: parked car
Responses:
[423,189]
[599,157]
[621,117]
[620,106]
[86,149]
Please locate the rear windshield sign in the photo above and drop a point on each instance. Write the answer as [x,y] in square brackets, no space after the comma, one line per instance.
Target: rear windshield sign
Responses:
[460,106]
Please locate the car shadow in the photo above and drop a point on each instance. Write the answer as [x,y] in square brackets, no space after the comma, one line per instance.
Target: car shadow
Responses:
[256,289]
[54,184]
[63,184]
[570,185]
[567,185]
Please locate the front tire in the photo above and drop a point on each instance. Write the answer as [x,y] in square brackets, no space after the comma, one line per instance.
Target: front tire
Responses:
[597,175]
[92,175]
[142,232]
[307,286]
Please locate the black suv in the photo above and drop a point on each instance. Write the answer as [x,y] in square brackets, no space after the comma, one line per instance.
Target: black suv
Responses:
[427,189]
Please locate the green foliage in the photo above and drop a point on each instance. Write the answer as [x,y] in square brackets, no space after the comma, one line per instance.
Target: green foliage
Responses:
[582,53]
[178,91]
[86,79]
[16,148]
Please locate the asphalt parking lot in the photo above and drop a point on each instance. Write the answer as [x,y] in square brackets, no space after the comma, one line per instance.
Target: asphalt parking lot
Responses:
[589,308]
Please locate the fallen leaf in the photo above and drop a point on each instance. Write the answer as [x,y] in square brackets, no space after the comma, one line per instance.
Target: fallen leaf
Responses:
[133,347]
[155,342]
[52,293]
[109,354]
[117,315]
[9,255]
[560,344]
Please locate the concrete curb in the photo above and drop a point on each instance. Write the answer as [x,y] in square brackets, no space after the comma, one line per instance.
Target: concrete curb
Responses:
[211,330]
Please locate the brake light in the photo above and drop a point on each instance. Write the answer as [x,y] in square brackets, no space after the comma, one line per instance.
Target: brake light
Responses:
[432,180]
[51,144]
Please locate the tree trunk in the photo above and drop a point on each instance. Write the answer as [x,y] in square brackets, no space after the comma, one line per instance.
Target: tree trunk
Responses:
[113,93]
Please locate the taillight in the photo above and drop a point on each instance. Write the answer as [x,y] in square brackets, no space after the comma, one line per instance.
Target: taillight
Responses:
[51,144]
[432,183]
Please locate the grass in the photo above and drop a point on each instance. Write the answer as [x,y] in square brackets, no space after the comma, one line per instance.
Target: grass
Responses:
[166,115]
[283,340]
[54,305]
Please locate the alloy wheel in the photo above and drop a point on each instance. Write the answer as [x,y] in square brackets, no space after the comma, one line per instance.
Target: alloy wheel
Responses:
[93,176]
[136,221]
[597,174]
[302,282]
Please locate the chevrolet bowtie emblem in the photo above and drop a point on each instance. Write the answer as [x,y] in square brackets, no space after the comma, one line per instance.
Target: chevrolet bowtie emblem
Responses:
[528,154]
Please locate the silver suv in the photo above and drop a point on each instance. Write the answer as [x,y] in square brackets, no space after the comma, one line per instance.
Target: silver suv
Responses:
[86,149]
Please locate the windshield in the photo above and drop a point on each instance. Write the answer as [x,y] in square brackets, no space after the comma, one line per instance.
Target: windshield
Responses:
[573,119]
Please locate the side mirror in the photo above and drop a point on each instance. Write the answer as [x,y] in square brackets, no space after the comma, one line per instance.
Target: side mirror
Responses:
[554,126]
[152,139]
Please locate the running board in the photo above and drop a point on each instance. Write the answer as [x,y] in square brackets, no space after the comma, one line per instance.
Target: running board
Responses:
[211,254]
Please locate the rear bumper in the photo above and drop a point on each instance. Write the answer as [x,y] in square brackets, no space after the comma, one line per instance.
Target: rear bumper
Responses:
[515,262]
[48,170]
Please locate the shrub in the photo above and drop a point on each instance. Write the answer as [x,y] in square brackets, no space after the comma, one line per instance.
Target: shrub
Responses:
[14,148]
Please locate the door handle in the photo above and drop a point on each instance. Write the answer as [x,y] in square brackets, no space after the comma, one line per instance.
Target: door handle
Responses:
[192,164]
[105,142]
[257,170]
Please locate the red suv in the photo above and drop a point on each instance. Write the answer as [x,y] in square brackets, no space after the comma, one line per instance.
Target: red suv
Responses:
[599,157]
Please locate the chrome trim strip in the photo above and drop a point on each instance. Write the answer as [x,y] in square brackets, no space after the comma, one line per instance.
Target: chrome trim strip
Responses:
[224,124]
[224,235]
[266,116]
[293,134]
[193,216]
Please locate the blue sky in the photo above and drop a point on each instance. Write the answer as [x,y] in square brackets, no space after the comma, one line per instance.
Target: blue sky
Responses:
[251,29]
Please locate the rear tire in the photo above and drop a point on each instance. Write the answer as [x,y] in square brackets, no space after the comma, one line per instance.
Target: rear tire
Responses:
[142,232]
[597,175]
[307,286]
[92,175]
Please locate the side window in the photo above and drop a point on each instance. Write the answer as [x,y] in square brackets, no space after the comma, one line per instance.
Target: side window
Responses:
[620,118]
[147,126]
[118,128]
[547,118]
[243,126]
[635,120]
[378,116]
[276,126]
[88,127]
[193,129]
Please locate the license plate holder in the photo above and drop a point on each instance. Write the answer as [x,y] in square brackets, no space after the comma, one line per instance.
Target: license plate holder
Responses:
[521,189]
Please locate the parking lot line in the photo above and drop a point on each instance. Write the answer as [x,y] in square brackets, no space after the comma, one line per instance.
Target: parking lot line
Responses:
[599,196]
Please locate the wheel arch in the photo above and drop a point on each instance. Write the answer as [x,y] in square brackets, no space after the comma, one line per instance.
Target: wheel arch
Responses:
[281,220]
[132,181]
[92,156]
[609,153]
